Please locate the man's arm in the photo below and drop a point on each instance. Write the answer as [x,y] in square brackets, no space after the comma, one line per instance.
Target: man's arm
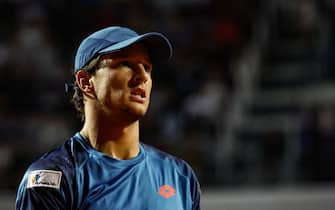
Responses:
[42,189]
[196,195]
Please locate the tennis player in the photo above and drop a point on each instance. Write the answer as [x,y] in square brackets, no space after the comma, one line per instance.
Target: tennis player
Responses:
[105,165]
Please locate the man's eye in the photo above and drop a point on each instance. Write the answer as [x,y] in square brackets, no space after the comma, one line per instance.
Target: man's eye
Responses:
[147,67]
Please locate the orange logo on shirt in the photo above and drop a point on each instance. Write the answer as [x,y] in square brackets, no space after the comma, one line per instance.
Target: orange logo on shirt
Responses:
[166,191]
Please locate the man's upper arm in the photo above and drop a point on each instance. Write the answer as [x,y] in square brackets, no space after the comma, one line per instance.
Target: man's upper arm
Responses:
[42,189]
[195,191]
[196,196]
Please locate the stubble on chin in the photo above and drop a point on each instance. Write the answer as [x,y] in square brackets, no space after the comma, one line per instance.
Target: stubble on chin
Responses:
[132,115]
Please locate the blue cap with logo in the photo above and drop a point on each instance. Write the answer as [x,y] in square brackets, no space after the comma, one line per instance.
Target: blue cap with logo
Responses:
[115,38]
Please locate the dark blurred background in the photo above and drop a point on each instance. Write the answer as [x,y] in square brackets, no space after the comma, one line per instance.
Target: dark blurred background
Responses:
[248,98]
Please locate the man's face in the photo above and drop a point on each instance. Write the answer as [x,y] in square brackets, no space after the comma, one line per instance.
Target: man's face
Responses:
[122,83]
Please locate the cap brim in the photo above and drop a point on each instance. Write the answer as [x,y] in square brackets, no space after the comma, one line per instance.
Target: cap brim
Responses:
[159,47]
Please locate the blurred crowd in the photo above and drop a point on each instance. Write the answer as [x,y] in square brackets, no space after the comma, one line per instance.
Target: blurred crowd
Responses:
[38,40]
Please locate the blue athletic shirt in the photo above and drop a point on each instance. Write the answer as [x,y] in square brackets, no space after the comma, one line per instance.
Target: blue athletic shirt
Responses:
[76,176]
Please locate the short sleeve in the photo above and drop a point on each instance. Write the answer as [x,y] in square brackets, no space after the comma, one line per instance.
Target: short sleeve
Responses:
[196,193]
[44,188]
[38,190]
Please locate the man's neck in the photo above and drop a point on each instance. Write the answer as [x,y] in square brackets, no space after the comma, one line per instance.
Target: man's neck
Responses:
[119,141]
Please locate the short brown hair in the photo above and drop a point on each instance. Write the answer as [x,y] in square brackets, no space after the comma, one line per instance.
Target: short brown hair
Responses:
[78,99]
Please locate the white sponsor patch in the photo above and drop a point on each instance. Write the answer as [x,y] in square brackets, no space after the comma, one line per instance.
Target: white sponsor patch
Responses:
[44,178]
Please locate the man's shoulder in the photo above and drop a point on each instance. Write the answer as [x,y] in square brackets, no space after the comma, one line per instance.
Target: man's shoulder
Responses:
[168,159]
[59,158]
[155,152]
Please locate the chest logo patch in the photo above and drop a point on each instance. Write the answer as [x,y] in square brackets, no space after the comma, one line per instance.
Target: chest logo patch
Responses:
[44,178]
[166,191]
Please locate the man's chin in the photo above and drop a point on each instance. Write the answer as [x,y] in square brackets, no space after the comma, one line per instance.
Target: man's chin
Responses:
[134,113]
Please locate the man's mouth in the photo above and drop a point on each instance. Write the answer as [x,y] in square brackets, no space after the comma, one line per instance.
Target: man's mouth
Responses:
[138,92]
[138,95]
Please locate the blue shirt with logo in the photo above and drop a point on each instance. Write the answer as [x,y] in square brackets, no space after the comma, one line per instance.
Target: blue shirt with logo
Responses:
[76,176]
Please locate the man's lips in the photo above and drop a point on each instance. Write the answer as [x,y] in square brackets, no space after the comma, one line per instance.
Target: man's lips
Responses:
[138,91]
[138,95]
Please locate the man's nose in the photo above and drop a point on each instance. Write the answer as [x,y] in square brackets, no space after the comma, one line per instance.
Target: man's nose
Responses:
[140,73]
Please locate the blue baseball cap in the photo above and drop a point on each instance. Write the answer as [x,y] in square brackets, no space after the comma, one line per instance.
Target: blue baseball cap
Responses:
[115,38]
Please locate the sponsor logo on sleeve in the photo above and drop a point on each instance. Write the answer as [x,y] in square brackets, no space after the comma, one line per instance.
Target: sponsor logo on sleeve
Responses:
[44,178]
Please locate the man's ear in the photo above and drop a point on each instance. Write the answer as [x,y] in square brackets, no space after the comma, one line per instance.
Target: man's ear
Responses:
[84,83]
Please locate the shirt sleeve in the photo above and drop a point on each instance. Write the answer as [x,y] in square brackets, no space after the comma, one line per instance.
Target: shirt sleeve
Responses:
[196,193]
[42,189]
